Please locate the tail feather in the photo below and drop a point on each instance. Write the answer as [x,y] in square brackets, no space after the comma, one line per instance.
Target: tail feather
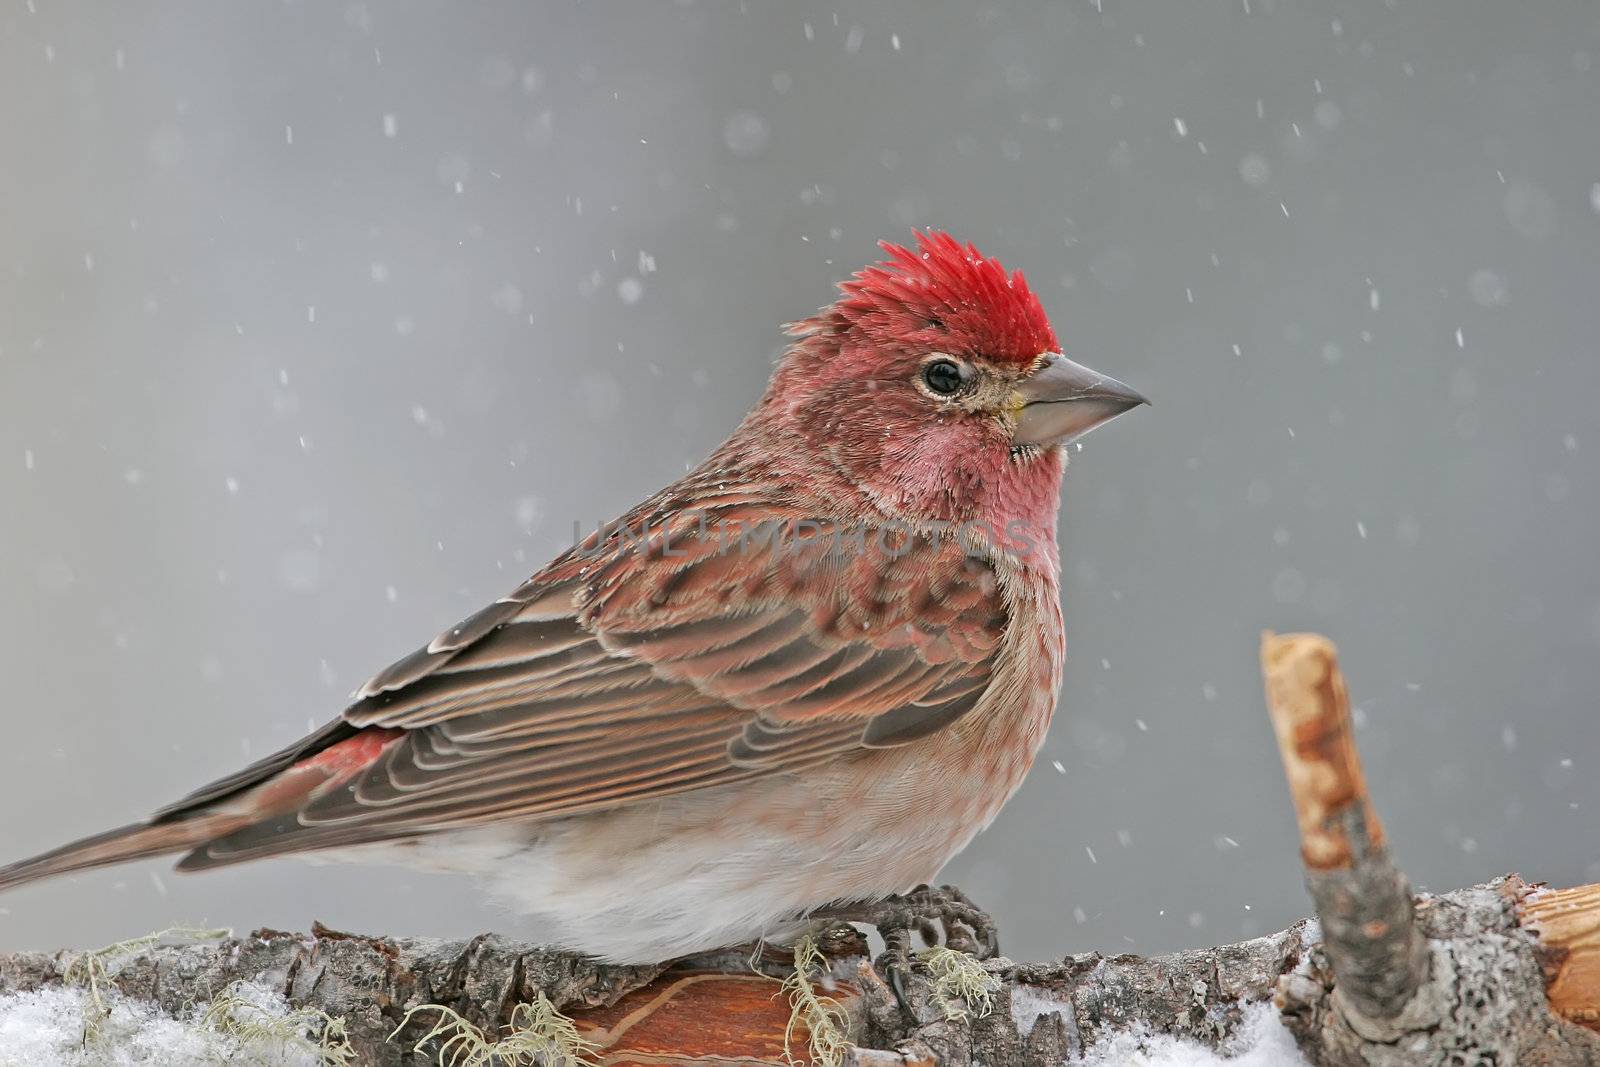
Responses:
[276,786]
[134,842]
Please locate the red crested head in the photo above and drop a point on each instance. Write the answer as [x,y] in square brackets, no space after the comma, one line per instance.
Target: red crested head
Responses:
[932,389]
[943,296]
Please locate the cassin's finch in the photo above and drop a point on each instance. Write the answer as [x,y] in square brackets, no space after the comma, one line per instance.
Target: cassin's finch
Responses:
[661,744]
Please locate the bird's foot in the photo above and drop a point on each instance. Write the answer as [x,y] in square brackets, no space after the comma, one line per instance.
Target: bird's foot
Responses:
[957,934]
[940,914]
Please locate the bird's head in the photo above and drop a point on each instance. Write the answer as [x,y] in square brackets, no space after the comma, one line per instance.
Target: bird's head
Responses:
[936,384]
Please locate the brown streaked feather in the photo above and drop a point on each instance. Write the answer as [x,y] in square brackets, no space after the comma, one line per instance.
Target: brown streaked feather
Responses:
[334,759]
[742,686]
[403,774]
[261,770]
[531,774]
[517,642]
[425,660]
[268,838]
[559,714]
[691,638]
[581,672]
[899,726]
[855,691]
[625,674]
[781,693]
[125,843]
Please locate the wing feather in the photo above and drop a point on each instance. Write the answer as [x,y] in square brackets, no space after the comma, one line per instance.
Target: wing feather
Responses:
[626,672]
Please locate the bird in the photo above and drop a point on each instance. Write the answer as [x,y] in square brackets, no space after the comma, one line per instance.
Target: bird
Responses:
[798,680]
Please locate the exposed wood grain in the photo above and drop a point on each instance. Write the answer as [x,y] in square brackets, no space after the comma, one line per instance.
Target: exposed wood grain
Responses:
[1310,711]
[1567,924]
[719,1019]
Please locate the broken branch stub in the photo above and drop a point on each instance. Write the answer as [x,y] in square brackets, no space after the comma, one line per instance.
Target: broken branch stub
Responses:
[1566,923]
[1364,901]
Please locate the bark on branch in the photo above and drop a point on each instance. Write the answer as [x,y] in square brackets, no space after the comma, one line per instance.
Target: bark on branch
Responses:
[1397,979]
[1488,967]
[1504,973]
[1364,902]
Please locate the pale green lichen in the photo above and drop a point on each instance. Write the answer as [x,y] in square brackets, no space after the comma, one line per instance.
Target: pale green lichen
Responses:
[536,1034]
[91,968]
[238,1014]
[823,1017]
[959,982]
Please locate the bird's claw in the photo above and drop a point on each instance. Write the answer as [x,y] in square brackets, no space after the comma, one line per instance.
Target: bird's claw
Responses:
[938,914]
[933,911]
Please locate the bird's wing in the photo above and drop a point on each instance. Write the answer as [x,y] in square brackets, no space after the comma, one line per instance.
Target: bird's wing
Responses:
[639,666]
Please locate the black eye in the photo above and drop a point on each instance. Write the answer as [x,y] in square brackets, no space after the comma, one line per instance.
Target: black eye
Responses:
[943,377]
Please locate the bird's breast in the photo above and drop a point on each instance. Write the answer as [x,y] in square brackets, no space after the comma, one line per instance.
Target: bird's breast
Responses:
[935,794]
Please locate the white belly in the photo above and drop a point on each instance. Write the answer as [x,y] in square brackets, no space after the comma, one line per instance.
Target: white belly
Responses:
[693,873]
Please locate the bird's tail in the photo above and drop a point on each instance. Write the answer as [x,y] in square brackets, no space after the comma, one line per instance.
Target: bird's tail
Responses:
[133,842]
[270,787]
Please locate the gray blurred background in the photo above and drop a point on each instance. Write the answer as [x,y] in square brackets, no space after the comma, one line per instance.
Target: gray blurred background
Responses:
[321,324]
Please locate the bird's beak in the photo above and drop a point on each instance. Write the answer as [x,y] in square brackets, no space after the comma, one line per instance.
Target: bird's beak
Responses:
[1063,400]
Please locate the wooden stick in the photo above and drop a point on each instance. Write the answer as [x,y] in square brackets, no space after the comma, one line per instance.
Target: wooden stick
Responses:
[1379,956]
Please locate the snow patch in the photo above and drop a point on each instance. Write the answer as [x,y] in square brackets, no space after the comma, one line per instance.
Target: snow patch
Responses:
[55,1028]
[1262,1041]
[1031,1003]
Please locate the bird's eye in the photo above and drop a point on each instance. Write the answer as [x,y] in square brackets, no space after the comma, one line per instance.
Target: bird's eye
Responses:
[943,376]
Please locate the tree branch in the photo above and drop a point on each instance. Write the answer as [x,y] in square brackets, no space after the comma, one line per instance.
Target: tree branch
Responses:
[1503,973]
[720,1007]
[1369,929]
